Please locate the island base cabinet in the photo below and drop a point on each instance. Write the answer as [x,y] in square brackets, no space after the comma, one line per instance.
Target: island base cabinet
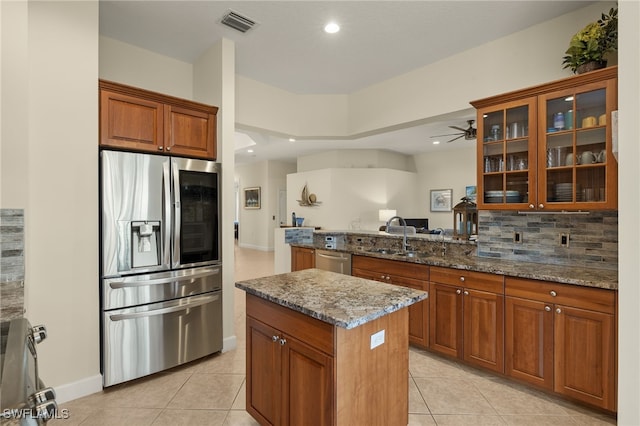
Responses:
[302,371]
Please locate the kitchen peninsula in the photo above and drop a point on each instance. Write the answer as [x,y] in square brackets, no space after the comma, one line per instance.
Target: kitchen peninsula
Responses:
[327,349]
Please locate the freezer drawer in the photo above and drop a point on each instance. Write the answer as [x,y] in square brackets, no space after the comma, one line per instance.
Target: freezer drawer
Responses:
[124,292]
[151,338]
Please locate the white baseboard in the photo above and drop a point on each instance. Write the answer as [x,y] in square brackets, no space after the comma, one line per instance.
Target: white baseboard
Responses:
[75,390]
[229,343]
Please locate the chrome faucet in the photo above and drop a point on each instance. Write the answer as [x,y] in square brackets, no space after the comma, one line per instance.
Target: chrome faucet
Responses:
[402,222]
[444,247]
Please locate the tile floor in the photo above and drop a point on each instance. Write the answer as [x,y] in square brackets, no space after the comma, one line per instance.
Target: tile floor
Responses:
[211,391]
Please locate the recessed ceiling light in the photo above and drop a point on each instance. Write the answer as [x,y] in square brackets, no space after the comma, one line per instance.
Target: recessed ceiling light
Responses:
[292,139]
[436,142]
[249,151]
[332,28]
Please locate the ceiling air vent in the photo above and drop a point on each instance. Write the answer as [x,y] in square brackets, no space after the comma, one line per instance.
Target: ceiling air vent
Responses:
[237,22]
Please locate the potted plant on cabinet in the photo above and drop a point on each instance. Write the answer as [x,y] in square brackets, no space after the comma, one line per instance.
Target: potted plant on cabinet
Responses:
[588,46]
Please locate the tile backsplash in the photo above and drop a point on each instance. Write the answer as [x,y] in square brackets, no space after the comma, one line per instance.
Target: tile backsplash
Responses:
[592,237]
[11,263]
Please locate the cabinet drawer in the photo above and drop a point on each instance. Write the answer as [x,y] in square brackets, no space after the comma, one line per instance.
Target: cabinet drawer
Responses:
[468,279]
[314,332]
[391,267]
[595,299]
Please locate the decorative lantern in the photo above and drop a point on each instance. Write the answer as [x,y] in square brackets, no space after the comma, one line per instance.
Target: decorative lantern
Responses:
[465,219]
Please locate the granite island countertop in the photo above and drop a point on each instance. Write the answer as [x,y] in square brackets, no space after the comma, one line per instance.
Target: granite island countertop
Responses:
[337,299]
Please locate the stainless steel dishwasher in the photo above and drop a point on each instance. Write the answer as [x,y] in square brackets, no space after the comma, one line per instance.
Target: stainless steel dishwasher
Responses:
[333,261]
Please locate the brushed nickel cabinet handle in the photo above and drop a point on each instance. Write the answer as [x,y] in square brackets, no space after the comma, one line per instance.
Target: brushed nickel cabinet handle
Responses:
[547,308]
[458,291]
[558,310]
[553,293]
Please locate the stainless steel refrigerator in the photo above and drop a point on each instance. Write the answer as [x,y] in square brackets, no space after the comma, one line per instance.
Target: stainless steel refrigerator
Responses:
[161,268]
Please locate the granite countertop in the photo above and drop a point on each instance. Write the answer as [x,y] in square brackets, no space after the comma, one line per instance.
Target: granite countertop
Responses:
[337,299]
[456,259]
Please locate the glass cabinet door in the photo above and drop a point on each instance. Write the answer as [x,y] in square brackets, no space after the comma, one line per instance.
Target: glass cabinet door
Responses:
[507,158]
[574,147]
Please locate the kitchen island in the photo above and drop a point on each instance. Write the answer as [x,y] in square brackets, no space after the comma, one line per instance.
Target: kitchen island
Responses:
[327,349]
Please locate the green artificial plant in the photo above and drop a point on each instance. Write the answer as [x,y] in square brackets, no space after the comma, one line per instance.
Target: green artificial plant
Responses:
[593,42]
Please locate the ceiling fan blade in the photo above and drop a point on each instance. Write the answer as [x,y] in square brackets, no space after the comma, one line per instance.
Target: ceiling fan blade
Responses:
[455,139]
[459,128]
[448,134]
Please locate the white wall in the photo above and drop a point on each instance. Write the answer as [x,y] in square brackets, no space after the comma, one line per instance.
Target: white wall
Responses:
[50,163]
[213,83]
[445,170]
[144,69]
[356,158]
[629,205]
[256,225]
[351,198]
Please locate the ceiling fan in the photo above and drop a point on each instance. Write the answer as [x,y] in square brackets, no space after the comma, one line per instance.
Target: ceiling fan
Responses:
[468,133]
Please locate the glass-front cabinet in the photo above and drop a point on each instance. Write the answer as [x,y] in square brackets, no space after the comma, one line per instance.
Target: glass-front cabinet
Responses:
[506,155]
[549,147]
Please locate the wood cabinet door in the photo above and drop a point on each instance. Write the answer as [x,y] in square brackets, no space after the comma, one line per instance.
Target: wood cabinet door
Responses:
[418,312]
[484,329]
[445,319]
[585,354]
[307,378]
[189,132]
[529,341]
[129,122]
[263,372]
[302,258]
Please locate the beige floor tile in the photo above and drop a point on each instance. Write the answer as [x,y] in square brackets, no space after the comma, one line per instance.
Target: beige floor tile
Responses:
[425,364]
[240,418]
[416,402]
[421,420]
[171,417]
[71,415]
[540,420]
[240,402]
[595,420]
[208,391]
[467,419]
[511,398]
[453,396]
[149,392]
[121,416]
[232,362]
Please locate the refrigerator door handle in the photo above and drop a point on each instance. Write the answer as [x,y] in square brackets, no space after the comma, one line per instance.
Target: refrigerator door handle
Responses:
[167,310]
[166,213]
[165,280]
[177,219]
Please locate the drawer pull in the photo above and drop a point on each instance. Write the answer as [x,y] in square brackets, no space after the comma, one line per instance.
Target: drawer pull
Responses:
[462,279]
[553,293]
[547,308]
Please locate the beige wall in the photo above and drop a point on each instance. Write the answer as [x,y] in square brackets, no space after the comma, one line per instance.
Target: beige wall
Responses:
[50,163]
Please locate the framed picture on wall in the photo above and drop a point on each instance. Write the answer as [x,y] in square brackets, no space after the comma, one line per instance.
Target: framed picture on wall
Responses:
[441,200]
[252,198]
[472,193]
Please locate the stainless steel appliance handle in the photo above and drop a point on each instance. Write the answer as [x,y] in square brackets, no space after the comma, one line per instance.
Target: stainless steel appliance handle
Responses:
[124,284]
[166,213]
[161,311]
[177,219]
[326,256]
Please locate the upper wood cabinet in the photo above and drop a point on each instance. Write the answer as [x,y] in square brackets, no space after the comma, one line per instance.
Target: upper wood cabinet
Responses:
[549,147]
[140,120]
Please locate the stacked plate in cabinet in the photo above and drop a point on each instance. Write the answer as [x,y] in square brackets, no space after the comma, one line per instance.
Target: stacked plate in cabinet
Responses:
[564,192]
[499,196]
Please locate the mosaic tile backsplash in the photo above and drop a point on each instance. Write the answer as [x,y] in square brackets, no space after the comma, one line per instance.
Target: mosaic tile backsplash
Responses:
[11,263]
[592,238]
